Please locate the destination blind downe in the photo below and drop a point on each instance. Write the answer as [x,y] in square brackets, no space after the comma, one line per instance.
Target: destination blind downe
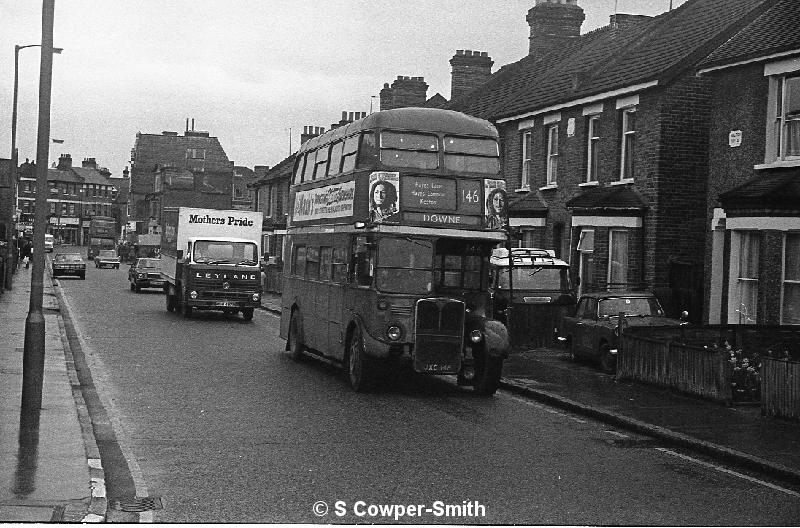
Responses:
[220,220]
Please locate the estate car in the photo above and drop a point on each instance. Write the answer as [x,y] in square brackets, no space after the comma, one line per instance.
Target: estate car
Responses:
[593,332]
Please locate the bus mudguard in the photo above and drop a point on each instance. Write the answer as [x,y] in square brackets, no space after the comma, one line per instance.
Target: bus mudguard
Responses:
[373,346]
[495,333]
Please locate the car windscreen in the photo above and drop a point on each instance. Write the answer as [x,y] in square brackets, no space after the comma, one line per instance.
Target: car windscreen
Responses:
[630,306]
[149,263]
[68,258]
[107,254]
[536,278]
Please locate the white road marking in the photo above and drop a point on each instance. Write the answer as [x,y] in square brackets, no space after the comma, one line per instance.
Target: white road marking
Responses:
[617,433]
[729,471]
[547,409]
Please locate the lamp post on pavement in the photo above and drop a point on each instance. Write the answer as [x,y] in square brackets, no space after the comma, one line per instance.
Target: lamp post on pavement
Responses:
[14,161]
[33,353]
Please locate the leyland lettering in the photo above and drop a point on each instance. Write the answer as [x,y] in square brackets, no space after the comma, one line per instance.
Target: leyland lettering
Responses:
[233,276]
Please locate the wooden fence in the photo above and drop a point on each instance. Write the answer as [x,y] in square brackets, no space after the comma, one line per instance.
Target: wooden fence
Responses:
[691,369]
[780,388]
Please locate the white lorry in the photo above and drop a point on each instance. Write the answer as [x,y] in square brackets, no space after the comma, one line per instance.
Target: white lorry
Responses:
[210,260]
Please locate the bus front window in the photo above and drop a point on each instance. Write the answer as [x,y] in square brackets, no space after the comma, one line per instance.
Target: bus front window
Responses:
[404,265]
[536,278]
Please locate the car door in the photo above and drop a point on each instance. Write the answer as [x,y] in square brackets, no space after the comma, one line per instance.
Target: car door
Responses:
[587,326]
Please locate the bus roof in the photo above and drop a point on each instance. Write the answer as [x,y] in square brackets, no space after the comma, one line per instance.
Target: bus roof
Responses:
[411,118]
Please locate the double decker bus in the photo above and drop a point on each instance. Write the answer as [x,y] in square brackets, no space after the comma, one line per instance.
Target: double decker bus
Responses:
[392,222]
[102,234]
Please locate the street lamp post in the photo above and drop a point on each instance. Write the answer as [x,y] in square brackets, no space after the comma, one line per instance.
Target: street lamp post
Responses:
[14,160]
[34,351]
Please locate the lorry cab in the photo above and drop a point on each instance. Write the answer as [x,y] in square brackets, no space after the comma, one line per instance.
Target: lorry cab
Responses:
[531,293]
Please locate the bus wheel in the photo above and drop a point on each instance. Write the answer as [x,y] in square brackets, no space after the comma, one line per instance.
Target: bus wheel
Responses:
[295,343]
[247,314]
[358,372]
[170,301]
[487,374]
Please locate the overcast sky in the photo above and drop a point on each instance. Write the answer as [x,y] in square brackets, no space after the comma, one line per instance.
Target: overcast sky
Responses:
[245,70]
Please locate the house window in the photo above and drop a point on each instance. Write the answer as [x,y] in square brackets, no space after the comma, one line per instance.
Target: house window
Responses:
[790,297]
[746,294]
[787,118]
[586,261]
[592,144]
[628,144]
[195,153]
[527,162]
[618,259]
[552,154]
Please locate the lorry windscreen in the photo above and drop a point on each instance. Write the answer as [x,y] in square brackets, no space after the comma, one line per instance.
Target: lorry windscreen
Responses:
[536,278]
[225,252]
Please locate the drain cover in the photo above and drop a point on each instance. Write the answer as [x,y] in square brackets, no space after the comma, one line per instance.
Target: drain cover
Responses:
[138,504]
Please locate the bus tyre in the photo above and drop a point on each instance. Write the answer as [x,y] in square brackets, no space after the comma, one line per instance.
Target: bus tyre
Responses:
[170,301]
[488,370]
[295,340]
[359,372]
[247,314]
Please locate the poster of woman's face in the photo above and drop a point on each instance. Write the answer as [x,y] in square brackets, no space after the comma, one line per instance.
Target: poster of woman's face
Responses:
[496,212]
[382,199]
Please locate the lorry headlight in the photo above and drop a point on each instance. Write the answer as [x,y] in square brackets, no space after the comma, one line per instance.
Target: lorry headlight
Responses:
[394,333]
[475,336]
[255,297]
[193,294]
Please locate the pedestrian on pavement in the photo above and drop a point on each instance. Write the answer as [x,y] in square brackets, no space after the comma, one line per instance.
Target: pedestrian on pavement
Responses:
[27,248]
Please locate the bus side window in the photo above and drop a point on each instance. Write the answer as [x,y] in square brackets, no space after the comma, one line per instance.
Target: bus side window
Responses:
[349,153]
[367,152]
[325,263]
[298,171]
[339,265]
[299,261]
[335,166]
[312,263]
[321,163]
[308,172]
[363,259]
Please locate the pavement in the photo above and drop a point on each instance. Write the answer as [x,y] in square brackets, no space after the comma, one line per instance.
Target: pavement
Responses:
[49,464]
[51,469]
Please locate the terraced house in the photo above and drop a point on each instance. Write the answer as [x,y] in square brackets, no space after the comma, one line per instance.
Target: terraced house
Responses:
[753,214]
[605,142]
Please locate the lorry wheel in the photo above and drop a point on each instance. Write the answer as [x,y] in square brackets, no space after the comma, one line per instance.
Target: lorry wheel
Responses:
[170,301]
[295,342]
[247,314]
[487,374]
[360,374]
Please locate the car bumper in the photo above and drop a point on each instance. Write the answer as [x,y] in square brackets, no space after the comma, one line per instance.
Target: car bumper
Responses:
[69,271]
[149,283]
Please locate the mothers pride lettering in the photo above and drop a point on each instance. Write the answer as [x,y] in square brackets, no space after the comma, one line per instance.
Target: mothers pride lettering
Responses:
[220,220]
[332,201]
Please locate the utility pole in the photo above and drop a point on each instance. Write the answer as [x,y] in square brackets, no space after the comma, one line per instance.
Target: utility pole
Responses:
[34,351]
[290,141]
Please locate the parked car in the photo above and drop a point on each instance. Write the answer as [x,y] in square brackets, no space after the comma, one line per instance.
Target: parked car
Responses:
[593,331]
[145,273]
[69,264]
[106,257]
[49,242]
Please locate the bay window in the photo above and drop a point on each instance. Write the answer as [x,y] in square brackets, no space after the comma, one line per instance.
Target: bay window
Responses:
[790,295]
[527,162]
[628,144]
[592,144]
[552,154]
[746,287]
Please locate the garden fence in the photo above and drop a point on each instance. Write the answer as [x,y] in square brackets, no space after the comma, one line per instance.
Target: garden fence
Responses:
[780,388]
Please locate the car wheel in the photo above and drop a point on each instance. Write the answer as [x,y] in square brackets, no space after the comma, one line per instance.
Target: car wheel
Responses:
[296,347]
[247,314]
[83,276]
[170,301]
[133,288]
[186,310]
[116,267]
[137,288]
[488,370]
[607,360]
[359,371]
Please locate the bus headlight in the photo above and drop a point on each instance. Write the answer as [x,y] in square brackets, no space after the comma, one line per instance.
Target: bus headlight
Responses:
[475,336]
[193,294]
[255,297]
[394,333]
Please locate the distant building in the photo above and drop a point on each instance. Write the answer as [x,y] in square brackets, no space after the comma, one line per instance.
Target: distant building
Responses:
[171,157]
[242,197]
[75,195]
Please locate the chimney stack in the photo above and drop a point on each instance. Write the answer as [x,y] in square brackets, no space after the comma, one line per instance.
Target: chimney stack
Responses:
[553,23]
[89,163]
[311,132]
[405,91]
[470,70]
[64,162]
